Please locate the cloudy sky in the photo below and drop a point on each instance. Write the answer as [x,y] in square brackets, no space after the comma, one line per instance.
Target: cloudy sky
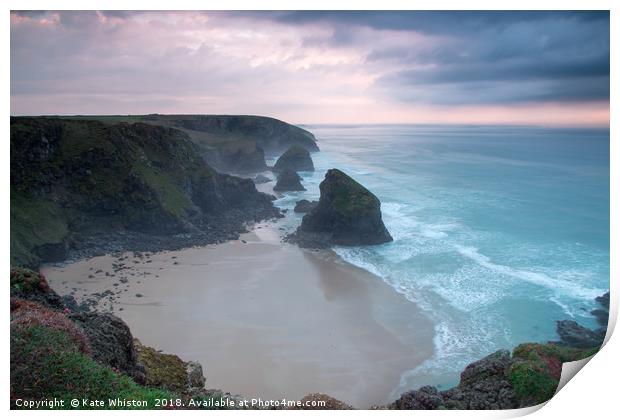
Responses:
[547,68]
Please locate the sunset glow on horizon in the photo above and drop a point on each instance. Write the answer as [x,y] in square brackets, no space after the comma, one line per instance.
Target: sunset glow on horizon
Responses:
[538,68]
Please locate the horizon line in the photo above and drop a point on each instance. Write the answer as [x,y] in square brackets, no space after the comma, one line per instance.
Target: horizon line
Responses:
[550,125]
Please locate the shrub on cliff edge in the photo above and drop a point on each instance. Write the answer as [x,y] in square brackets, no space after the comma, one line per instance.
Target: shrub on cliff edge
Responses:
[47,363]
[536,369]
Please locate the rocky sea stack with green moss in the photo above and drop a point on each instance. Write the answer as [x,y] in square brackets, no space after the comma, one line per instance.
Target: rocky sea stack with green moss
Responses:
[295,158]
[84,187]
[347,214]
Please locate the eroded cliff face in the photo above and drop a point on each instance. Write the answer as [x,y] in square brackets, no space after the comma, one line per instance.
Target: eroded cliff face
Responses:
[74,179]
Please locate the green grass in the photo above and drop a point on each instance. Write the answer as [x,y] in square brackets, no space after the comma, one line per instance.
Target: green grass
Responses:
[47,363]
[171,198]
[536,369]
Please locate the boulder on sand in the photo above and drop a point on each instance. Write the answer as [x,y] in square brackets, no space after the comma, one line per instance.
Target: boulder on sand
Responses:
[347,214]
[289,180]
[296,158]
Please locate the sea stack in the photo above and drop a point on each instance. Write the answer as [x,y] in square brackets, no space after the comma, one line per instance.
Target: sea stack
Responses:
[296,158]
[347,214]
[289,180]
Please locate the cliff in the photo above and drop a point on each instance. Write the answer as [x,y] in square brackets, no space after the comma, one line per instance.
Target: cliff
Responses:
[238,143]
[234,144]
[80,185]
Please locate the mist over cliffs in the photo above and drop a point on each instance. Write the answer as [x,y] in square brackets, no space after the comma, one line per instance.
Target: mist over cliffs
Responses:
[76,180]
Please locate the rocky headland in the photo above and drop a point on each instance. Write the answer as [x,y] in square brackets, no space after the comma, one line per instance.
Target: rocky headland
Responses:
[346,214]
[85,187]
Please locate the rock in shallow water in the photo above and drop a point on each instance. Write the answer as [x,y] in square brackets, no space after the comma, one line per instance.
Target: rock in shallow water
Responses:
[304,206]
[346,214]
[574,335]
[604,300]
[295,158]
[289,180]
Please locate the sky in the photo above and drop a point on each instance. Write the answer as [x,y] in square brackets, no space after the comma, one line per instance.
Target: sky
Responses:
[541,68]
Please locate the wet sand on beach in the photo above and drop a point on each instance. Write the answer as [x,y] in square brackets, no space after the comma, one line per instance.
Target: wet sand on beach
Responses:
[264,318]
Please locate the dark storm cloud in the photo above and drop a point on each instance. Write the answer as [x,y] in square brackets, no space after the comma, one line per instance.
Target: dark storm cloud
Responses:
[550,55]
[444,22]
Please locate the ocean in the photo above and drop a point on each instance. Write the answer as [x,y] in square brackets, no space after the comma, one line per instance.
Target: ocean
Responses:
[498,231]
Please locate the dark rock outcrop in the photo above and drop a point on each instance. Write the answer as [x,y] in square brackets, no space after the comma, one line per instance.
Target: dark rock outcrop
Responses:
[295,158]
[111,342]
[425,398]
[604,300]
[305,206]
[347,214]
[484,385]
[573,334]
[602,316]
[76,182]
[288,180]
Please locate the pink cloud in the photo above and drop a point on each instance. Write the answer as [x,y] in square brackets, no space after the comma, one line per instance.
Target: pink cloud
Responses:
[204,62]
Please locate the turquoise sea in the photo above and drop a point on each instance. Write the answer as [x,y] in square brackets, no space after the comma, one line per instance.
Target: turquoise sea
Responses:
[498,231]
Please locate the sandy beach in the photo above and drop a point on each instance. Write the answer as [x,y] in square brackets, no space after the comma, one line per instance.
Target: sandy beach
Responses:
[265,319]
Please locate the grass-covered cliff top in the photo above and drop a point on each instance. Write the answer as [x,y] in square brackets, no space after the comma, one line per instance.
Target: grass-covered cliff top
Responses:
[215,131]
